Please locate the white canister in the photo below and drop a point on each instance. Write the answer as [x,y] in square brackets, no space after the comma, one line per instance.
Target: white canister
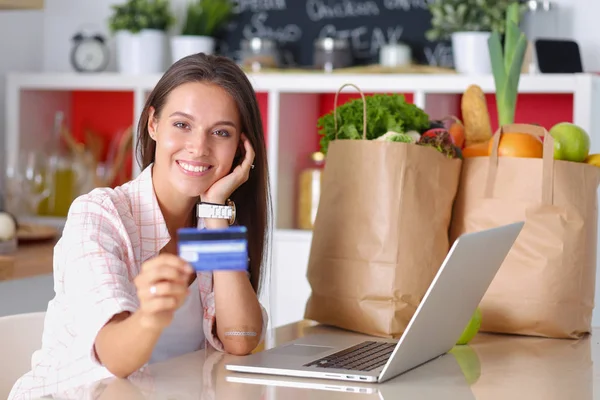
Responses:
[471,52]
[141,53]
[183,46]
[395,55]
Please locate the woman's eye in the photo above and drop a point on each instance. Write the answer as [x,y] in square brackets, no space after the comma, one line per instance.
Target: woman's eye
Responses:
[221,133]
[180,125]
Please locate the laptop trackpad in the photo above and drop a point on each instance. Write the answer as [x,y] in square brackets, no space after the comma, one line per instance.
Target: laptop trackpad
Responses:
[300,350]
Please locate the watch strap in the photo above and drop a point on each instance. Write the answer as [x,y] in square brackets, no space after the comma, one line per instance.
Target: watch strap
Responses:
[218,211]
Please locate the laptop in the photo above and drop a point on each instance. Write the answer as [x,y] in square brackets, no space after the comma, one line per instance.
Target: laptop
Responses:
[443,378]
[437,324]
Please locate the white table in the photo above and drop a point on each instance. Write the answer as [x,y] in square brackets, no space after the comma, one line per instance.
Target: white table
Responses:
[491,367]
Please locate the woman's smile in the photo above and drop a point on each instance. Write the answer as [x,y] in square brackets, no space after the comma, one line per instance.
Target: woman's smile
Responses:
[194,168]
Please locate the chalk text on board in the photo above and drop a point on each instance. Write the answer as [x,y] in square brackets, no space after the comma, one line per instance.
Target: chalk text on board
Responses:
[439,56]
[405,5]
[318,10]
[287,34]
[363,44]
[239,6]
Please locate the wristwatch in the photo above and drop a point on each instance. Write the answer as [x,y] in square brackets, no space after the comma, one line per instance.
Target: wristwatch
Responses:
[220,211]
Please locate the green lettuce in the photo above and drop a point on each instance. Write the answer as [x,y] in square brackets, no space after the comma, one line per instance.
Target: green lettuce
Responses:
[392,136]
[385,112]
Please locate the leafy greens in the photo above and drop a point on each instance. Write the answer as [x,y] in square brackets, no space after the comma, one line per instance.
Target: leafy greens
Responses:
[385,112]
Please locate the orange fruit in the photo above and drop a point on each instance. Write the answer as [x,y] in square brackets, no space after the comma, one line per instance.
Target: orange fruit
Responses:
[457,131]
[515,144]
[477,150]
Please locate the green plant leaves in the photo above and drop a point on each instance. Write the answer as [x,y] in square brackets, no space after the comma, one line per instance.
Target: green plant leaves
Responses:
[206,17]
[135,15]
[449,16]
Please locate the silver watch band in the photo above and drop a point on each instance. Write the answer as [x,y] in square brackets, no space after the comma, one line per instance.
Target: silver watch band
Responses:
[205,210]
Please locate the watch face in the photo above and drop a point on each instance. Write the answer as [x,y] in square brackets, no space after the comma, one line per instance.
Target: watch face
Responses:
[89,56]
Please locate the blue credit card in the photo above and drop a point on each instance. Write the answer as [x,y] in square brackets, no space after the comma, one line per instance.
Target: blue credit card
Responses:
[214,249]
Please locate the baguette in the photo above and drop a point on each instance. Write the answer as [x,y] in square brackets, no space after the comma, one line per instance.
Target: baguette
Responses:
[476,117]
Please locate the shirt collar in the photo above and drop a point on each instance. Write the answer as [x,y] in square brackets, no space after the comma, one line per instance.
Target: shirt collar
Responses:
[147,215]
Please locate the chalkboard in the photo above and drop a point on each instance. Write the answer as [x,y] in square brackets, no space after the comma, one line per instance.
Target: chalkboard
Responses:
[367,24]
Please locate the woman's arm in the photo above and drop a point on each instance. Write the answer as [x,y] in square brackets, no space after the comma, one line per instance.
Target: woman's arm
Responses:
[237,310]
[127,341]
[124,345]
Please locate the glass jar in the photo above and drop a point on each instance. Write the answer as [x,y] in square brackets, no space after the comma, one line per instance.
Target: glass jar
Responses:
[62,174]
[258,53]
[330,53]
[309,191]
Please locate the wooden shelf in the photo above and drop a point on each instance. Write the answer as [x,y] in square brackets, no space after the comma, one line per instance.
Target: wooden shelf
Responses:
[21,4]
[32,259]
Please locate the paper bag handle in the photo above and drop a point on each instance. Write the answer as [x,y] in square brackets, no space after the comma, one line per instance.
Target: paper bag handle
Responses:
[548,159]
[335,101]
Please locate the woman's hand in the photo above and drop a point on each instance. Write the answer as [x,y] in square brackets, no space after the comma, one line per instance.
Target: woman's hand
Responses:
[222,189]
[162,287]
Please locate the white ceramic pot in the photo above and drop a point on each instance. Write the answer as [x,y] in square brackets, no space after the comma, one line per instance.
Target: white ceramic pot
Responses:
[471,54]
[183,46]
[141,53]
[395,55]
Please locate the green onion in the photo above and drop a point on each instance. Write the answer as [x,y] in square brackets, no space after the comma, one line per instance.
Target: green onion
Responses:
[507,67]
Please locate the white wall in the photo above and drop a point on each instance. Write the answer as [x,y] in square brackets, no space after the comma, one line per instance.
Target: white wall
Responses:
[60,27]
[580,23]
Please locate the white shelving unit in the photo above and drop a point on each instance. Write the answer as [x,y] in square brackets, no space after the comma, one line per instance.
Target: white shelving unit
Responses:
[293,109]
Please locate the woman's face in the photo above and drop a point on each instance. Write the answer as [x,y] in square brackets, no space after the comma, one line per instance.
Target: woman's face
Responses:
[197,136]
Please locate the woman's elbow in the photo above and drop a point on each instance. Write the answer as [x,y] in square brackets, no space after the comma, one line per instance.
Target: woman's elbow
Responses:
[241,347]
[120,373]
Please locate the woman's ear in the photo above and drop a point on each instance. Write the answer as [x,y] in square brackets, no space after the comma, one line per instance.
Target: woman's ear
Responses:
[152,123]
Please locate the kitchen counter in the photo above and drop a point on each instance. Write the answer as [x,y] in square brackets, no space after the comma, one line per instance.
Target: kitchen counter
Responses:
[31,259]
[491,367]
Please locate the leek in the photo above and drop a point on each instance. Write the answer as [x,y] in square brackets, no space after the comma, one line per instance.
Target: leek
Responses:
[507,67]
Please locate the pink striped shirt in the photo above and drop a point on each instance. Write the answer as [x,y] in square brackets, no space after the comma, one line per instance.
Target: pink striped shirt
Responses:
[109,233]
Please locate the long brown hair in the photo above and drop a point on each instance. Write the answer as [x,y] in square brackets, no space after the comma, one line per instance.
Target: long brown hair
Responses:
[252,198]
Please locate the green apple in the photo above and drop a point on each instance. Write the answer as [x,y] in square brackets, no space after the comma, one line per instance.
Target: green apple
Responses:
[468,361]
[471,329]
[571,142]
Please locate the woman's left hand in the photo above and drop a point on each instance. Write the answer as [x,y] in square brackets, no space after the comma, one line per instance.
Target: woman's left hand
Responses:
[222,189]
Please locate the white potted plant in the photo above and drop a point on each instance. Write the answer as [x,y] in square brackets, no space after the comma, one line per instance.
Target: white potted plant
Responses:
[140,29]
[468,24]
[204,18]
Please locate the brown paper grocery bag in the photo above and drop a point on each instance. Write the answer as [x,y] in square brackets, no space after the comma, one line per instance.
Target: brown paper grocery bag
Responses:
[546,285]
[380,234]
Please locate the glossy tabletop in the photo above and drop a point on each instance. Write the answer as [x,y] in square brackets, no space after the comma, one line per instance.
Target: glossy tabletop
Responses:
[490,367]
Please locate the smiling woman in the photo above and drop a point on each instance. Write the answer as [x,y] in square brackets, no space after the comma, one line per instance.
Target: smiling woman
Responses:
[124,298]
[204,113]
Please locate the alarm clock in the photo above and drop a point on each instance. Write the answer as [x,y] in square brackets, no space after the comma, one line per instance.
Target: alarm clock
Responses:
[89,53]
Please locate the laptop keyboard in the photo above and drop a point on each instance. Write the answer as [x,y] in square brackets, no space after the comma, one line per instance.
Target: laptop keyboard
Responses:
[365,356]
